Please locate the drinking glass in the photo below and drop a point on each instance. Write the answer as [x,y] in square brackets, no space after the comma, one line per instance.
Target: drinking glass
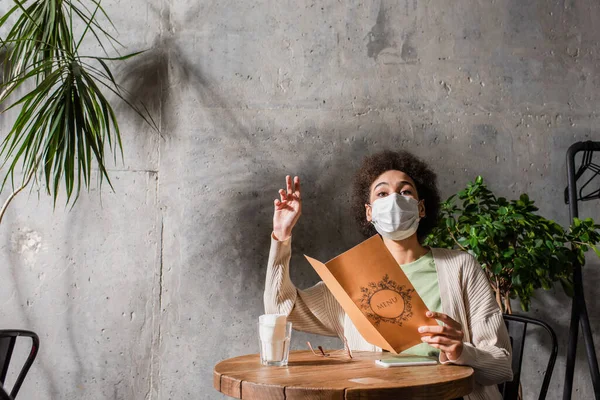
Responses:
[274,341]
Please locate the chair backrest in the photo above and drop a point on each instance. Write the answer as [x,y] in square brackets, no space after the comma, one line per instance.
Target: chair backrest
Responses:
[517,328]
[8,338]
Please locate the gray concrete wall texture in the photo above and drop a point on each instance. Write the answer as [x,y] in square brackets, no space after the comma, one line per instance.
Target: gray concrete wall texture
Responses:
[137,293]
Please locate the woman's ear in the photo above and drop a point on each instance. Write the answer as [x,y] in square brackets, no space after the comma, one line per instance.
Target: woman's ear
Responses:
[422,209]
[368,212]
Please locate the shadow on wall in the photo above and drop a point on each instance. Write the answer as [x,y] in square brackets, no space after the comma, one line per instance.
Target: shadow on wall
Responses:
[152,77]
[146,76]
[146,79]
[327,226]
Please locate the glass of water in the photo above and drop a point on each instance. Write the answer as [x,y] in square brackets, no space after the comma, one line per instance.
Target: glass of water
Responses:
[274,341]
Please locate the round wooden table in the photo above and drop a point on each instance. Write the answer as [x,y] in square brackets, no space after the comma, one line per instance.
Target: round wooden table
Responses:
[310,377]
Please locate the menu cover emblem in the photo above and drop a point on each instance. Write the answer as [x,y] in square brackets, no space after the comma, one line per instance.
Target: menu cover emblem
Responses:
[386,301]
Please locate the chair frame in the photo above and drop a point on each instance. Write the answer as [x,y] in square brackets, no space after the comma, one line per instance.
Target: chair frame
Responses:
[517,332]
[3,394]
[8,339]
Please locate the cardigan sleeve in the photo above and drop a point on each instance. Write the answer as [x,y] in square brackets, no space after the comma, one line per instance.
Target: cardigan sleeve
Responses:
[312,310]
[489,351]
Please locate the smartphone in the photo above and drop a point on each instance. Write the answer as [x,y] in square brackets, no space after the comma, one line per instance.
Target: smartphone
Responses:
[405,361]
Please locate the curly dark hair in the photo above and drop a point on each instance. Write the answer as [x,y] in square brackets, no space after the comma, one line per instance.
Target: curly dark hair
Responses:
[423,176]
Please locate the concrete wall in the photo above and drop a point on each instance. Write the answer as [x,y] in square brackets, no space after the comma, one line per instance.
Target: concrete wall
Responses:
[137,294]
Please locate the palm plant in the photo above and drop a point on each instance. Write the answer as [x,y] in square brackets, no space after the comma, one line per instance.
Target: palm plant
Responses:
[65,120]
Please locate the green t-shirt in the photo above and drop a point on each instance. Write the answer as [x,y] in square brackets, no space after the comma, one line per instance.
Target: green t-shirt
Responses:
[423,275]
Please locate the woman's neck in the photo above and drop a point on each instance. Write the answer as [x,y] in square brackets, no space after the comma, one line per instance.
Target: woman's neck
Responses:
[407,250]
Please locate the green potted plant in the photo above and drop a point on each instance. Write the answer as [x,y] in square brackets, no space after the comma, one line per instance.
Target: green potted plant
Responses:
[64,121]
[519,250]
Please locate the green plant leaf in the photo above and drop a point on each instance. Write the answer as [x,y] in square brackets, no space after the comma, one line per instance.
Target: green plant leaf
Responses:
[463,241]
[120,58]
[499,225]
[497,268]
[509,252]
[516,280]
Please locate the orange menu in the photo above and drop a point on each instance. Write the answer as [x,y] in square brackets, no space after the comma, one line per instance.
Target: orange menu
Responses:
[376,294]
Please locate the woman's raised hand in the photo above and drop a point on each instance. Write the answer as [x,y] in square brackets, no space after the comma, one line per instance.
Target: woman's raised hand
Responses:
[287,209]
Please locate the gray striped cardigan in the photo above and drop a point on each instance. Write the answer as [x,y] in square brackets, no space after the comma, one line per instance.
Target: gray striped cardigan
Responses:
[465,294]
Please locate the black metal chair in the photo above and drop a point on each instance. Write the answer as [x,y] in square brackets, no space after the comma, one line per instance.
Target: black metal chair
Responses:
[8,338]
[3,394]
[517,328]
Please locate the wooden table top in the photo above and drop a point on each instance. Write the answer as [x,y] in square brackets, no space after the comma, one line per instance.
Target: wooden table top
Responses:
[310,377]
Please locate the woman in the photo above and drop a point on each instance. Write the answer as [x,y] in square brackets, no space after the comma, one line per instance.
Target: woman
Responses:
[395,195]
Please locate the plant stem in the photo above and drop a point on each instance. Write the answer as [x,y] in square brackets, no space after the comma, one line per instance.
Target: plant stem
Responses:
[580,243]
[507,306]
[15,193]
[456,241]
[498,298]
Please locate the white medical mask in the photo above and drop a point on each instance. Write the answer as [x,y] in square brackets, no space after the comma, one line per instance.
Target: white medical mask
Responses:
[395,217]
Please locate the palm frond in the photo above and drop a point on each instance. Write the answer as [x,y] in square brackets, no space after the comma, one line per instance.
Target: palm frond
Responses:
[65,123]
